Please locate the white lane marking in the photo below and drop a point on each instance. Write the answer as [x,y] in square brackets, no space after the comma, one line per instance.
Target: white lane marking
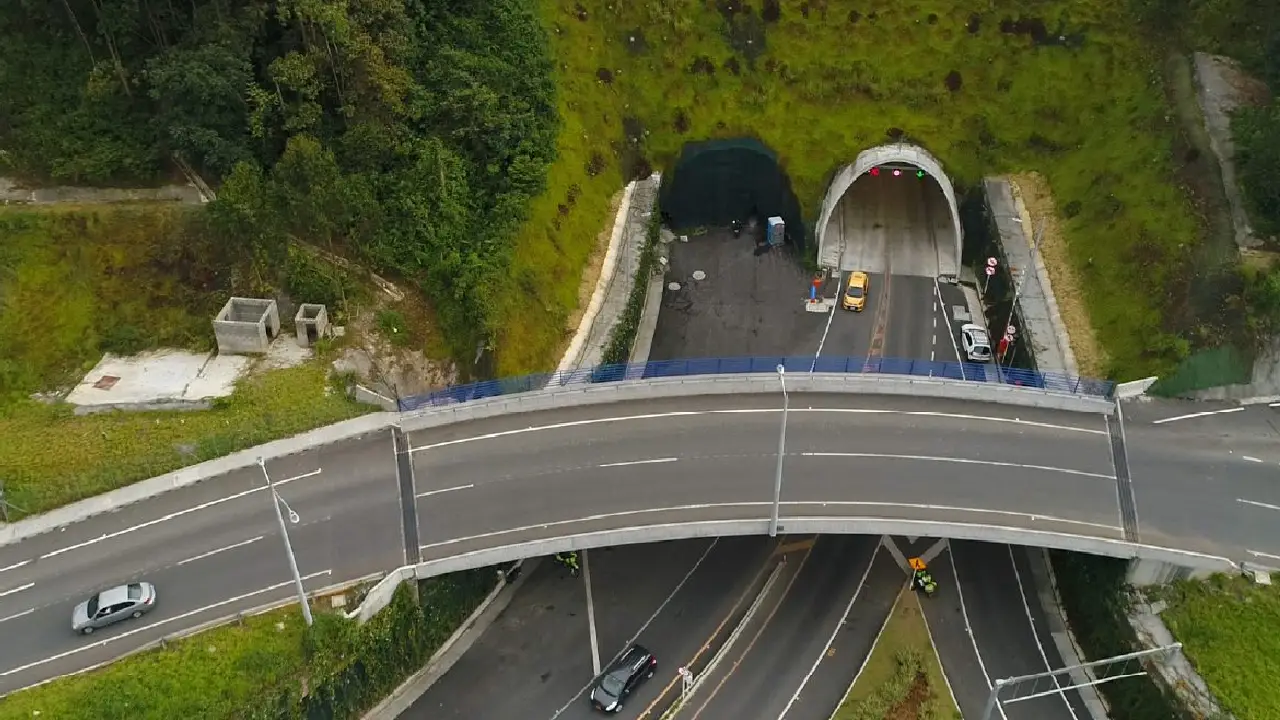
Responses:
[838,503]
[444,490]
[18,589]
[826,330]
[211,553]
[1256,503]
[24,613]
[1206,413]
[171,516]
[968,628]
[1259,553]
[1251,458]
[591,615]
[749,411]
[961,461]
[1026,606]
[15,566]
[844,618]
[641,462]
[1274,404]
[647,623]
[152,626]
[943,544]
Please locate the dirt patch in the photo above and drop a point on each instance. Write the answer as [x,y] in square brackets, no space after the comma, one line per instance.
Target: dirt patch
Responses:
[912,707]
[595,265]
[1068,290]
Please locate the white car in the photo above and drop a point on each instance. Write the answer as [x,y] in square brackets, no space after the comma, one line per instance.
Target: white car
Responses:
[975,342]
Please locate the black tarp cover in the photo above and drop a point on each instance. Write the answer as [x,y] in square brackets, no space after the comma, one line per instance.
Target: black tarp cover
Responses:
[718,181]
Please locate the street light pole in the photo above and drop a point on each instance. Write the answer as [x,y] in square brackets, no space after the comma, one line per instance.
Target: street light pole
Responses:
[276,500]
[782,448]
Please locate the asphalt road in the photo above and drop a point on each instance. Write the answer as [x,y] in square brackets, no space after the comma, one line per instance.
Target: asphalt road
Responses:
[1189,480]
[212,550]
[534,662]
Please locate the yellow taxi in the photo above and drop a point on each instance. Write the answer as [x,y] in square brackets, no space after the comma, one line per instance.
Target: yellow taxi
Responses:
[855,292]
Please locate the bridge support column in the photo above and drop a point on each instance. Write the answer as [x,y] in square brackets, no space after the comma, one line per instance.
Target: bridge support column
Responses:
[1155,572]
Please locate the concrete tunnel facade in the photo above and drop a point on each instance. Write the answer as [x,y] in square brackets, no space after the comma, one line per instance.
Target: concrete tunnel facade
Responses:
[830,249]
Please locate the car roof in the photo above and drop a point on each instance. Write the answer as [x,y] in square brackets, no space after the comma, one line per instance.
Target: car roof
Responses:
[113,596]
[975,329]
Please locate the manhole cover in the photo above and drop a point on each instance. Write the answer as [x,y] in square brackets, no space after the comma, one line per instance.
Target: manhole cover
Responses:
[673,286]
[106,382]
[699,275]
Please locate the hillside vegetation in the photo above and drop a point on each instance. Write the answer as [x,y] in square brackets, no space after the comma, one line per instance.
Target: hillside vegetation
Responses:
[472,148]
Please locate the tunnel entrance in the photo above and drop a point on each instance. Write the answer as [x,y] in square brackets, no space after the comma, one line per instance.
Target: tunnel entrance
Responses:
[891,211]
[717,182]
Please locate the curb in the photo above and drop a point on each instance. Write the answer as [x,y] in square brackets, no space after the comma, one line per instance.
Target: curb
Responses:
[453,649]
[191,475]
[207,625]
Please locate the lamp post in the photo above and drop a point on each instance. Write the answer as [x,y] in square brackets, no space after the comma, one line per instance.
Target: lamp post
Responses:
[782,448]
[276,502]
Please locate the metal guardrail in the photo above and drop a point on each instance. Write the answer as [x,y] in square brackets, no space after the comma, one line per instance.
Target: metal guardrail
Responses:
[975,372]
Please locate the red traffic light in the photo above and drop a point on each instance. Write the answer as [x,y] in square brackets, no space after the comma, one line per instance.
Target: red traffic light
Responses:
[875,171]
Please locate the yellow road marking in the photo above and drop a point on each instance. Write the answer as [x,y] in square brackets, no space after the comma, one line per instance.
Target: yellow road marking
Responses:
[794,547]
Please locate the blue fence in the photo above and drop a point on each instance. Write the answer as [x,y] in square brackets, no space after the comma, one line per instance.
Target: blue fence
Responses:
[975,372]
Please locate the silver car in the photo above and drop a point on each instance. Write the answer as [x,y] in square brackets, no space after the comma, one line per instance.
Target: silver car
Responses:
[111,606]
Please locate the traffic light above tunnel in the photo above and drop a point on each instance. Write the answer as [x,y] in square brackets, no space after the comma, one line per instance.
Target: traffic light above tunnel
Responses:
[897,171]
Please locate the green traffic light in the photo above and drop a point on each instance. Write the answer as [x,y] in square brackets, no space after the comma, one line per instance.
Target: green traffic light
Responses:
[919,173]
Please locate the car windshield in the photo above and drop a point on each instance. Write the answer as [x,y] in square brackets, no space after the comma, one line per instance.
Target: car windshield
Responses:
[855,292]
[612,684]
[93,606]
[135,591]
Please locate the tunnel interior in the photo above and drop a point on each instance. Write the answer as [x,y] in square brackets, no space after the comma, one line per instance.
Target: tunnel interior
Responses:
[717,182]
[894,219]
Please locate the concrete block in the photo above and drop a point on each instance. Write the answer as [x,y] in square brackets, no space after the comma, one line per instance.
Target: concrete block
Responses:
[310,323]
[246,326]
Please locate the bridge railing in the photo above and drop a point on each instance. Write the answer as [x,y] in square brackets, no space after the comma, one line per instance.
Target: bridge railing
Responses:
[974,372]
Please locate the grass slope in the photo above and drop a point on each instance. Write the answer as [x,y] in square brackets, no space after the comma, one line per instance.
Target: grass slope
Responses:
[821,80]
[902,679]
[1227,626]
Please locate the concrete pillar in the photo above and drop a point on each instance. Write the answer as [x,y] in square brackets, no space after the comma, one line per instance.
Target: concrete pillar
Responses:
[1155,572]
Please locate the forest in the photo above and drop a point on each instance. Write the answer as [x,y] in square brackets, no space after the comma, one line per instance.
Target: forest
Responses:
[410,134]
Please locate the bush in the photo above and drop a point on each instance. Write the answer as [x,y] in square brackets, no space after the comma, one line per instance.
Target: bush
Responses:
[1096,602]
[623,336]
[1256,132]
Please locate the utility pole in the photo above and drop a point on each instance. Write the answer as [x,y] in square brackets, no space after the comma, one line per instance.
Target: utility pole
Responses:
[276,502]
[782,449]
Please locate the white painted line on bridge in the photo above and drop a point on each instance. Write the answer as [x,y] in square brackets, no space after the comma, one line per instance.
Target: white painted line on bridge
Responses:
[1257,503]
[15,566]
[1260,554]
[18,589]
[1206,413]
[152,626]
[24,613]
[428,493]
[750,411]
[962,461]
[172,515]
[641,462]
[211,553]
[1251,458]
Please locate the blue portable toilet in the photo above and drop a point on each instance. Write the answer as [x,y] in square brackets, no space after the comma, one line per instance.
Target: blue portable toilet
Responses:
[777,230]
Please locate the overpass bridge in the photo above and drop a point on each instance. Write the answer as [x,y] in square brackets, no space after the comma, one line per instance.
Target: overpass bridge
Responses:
[665,451]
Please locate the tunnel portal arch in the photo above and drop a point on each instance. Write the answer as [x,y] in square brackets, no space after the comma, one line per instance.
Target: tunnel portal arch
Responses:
[829,248]
[715,182]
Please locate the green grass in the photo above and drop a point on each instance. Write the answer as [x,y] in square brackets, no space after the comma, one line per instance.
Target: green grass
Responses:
[1228,628]
[75,282]
[902,679]
[50,457]
[1092,118]
[212,675]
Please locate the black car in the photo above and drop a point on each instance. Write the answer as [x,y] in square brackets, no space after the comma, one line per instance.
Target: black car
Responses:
[622,677]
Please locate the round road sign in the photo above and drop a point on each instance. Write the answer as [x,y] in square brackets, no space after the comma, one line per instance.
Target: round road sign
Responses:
[992,262]
[990,271]
[1011,330]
